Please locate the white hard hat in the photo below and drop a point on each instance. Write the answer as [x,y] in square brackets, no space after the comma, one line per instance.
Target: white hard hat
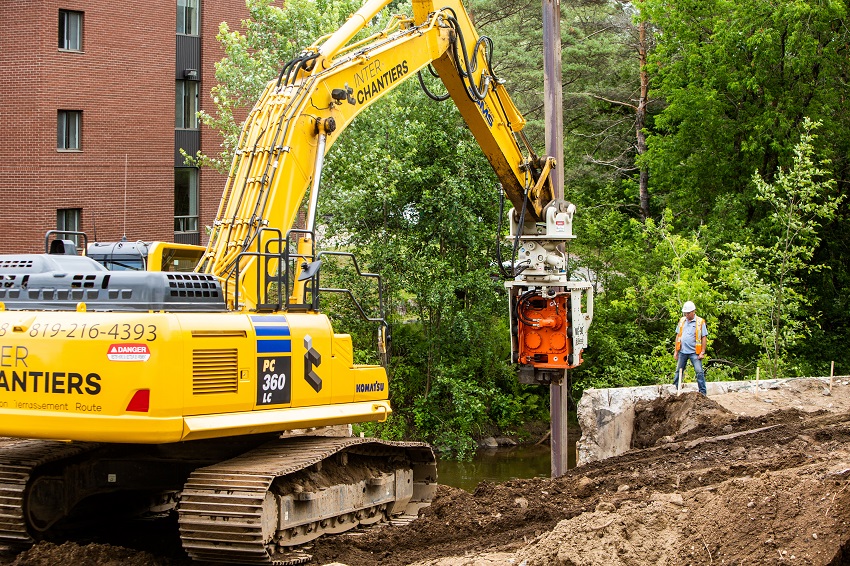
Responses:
[689,306]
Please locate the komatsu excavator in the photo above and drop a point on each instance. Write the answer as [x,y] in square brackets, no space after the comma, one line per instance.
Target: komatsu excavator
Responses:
[202,392]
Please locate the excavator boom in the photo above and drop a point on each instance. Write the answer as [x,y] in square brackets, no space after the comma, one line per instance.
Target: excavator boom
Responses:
[301,114]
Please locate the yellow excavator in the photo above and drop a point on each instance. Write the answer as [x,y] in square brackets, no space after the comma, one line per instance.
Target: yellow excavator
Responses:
[219,393]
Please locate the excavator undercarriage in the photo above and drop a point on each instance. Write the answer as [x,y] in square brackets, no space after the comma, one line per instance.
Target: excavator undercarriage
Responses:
[257,507]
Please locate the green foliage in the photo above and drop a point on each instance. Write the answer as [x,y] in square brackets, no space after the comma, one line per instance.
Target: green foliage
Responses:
[772,308]
[511,411]
[764,258]
[451,413]
[646,272]
[738,78]
[394,428]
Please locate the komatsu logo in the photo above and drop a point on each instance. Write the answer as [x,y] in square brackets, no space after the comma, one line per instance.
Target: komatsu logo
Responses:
[369,387]
[487,115]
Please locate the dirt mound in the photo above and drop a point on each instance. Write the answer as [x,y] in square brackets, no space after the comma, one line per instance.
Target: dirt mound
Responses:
[769,519]
[754,496]
[672,418]
[634,534]
[49,554]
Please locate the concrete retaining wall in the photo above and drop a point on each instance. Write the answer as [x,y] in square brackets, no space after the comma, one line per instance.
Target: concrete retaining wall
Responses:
[606,416]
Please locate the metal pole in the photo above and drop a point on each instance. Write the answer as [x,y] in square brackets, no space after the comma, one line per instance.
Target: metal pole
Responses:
[317,178]
[558,405]
[553,96]
[555,148]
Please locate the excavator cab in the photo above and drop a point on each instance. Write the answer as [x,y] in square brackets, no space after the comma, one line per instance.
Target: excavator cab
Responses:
[145,256]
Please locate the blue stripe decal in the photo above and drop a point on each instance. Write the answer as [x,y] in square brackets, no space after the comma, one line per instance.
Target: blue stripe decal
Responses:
[272,330]
[274,346]
[271,318]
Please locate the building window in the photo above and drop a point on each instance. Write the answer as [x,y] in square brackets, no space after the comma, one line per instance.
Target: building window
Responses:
[70,30]
[186,105]
[68,128]
[185,199]
[69,219]
[187,17]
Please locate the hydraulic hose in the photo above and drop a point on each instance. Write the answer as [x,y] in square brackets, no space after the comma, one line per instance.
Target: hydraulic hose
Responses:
[428,93]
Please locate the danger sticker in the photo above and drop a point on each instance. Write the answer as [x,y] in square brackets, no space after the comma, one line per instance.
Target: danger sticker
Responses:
[128,353]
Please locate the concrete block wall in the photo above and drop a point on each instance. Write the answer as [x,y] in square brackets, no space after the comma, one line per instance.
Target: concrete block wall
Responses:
[606,416]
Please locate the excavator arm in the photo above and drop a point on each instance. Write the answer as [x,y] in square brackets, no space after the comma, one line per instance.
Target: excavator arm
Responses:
[301,114]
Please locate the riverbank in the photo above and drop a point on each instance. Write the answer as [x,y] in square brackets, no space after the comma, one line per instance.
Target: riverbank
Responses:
[737,489]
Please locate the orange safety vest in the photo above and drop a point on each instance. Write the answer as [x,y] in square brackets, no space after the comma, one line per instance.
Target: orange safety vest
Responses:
[697,334]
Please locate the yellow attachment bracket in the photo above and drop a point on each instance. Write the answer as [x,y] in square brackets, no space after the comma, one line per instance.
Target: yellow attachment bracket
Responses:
[544,177]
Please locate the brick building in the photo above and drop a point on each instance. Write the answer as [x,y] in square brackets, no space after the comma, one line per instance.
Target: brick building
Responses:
[95,102]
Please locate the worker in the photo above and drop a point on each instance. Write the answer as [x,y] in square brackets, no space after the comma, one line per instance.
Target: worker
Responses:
[691,340]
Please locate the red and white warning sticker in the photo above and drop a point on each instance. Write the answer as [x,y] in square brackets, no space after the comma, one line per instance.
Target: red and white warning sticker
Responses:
[128,353]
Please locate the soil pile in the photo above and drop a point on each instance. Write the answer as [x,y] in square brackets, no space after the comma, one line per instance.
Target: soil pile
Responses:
[50,554]
[747,497]
[661,419]
[716,488]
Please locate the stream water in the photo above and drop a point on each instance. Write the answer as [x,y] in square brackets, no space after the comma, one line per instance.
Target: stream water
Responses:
[501,464]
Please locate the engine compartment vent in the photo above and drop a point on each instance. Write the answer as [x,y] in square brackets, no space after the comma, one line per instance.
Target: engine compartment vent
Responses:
[193,285]
[215,371]
[17,263]
[60,283]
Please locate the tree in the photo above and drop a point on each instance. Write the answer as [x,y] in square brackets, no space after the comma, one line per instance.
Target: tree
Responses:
[738,78]
[773,308]
[606,91]
[624,41]
[647,271]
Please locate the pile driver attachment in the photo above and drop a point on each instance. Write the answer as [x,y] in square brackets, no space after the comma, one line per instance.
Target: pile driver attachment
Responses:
[550,313]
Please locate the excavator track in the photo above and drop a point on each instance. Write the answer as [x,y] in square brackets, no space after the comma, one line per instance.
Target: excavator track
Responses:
[18,462]
[257,509]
